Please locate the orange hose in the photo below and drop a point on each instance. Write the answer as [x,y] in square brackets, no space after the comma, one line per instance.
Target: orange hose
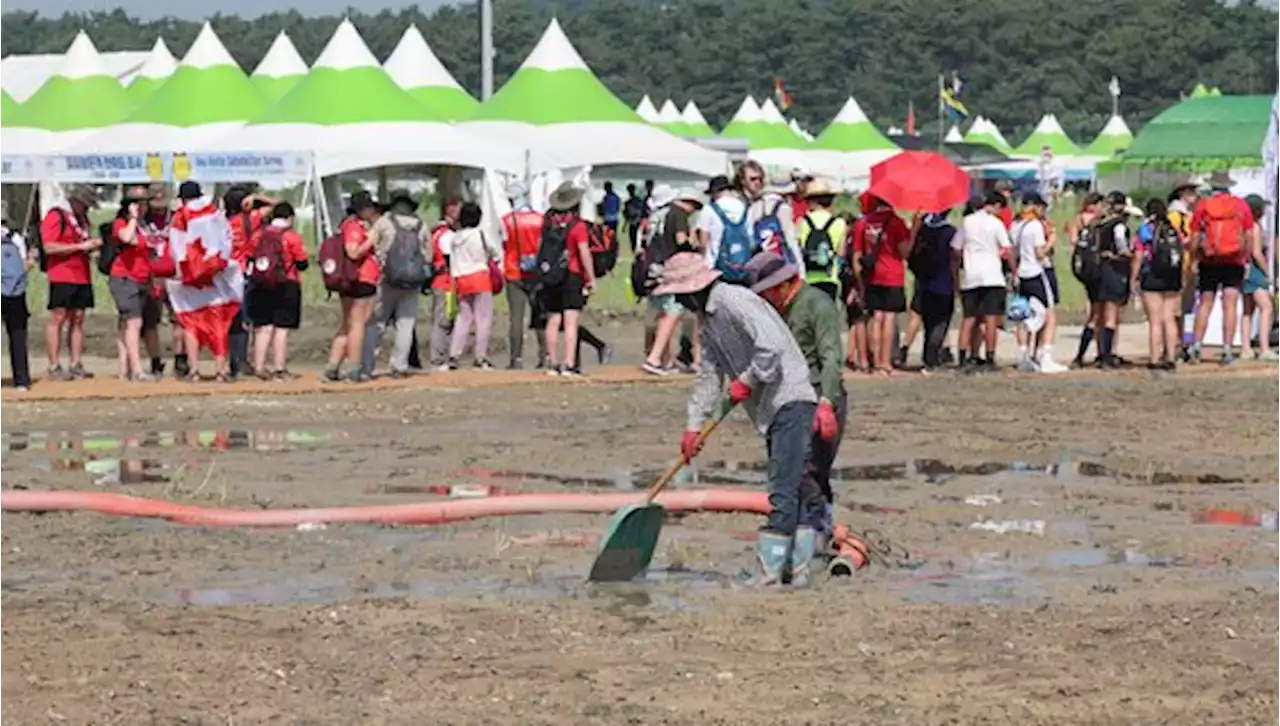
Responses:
[711,500]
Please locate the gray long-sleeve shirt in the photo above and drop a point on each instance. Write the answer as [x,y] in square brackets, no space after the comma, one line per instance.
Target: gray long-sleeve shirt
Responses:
[743,337]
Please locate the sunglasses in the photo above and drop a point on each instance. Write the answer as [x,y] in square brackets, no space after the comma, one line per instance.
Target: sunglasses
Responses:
[755,178]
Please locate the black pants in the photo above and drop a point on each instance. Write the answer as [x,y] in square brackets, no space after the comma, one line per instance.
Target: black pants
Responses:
[633,230]
[816,490]
[935,313]
[238,342]
[15,328]
[586,336]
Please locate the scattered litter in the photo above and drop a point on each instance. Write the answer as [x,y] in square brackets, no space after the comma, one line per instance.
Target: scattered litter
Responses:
[1024,526]
[724,676]
[312,526]
[1235,518]
[1231,634]
[982,500]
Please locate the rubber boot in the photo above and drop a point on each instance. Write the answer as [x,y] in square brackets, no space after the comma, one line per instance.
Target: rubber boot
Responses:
[772,552]
[802,551]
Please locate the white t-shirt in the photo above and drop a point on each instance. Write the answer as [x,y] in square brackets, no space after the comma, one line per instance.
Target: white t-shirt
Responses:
[984,238]
[733,209]
[1028,234]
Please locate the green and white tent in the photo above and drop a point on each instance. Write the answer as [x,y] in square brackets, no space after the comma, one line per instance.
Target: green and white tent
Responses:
[788,137]
[1047,134]
[351,115]
[78,99]
[748,125]
[1114,138]
[280,69]
[953,135]
[669,118]
[416,69]
[695,124]
[207,97]
[155,70]
[594,128]
[8,107]
[983,131]
[848,147]
[646,110]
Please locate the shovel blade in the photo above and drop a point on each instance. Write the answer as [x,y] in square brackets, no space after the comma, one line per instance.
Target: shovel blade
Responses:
[628,544]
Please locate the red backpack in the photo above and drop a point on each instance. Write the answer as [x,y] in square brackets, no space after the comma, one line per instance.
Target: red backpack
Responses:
[341,273]
[1223,236]
[602,243]
[268,268]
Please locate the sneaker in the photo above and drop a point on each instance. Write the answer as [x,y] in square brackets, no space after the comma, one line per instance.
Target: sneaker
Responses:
[542,363]
[1270,356]
[356,374]
[400,375]
[1228,357]
[552,370]
[1108,364]
[1027,365]
[143,378]
[1049,365]
[452,365]
[1169,366]
[655,370]
[331,374]
[58,373]
[571,371]
[483,365]
[182,366]
[78,371]
[1194,354]
[605,354]
[515,365]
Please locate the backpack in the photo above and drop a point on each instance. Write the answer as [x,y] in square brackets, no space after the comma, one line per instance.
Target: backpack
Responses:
[769,234]
[736,247]
[110,249]
[407,266]
[604,249]
[267,268]
[13,269]
[341,273]
[553,252]
[1166,250]
[1223,234]
[923,259]
[1086,256]
[819,251]
[634,208]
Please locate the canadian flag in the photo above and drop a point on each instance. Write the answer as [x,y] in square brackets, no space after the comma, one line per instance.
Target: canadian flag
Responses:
[208,289]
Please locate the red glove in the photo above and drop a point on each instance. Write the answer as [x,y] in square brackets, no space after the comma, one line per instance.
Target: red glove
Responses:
[739,391]
[824,421]
[689,445]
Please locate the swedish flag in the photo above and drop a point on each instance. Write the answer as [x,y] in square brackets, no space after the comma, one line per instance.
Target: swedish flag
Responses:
[950,98]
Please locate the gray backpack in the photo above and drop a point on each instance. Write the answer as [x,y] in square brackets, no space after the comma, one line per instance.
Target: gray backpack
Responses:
[407,267]
[14,280]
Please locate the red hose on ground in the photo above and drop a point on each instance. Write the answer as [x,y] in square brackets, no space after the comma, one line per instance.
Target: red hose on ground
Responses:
[710,500]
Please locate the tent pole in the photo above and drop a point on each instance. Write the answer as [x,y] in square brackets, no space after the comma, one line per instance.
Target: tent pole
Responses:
[486,49]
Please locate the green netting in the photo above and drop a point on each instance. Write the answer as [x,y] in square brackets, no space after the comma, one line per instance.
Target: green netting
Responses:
[1211,128]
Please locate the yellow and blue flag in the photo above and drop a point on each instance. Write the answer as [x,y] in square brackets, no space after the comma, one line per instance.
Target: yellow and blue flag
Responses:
[950,98]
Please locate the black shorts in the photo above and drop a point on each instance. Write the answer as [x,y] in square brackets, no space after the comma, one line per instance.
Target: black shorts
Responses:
[1113,284]
[883,299]
[565,296]
[362,290]
[1150,282]
[1040,288]
[70,296]
[279,306]
[986,302]
[1214,277]
[855,313]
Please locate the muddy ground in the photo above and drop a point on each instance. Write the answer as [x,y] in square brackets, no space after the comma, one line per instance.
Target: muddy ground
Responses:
[1117,609]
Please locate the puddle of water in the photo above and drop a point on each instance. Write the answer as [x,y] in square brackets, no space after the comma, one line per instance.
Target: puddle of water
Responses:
[264,440]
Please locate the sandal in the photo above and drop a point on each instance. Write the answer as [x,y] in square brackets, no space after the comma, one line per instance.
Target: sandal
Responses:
[223,378]
[193,377]
[284,374]
[264,375]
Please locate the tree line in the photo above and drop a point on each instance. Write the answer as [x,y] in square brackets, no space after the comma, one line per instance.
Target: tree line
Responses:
[1021,60]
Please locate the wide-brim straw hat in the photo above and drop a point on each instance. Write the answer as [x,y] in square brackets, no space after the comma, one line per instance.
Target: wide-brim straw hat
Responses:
[685,273]
[565,197]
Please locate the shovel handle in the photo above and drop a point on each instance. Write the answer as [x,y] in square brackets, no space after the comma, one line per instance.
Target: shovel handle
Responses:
[726,405]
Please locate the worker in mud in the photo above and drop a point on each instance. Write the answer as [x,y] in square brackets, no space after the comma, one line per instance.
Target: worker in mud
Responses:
[746,344]
[814,321]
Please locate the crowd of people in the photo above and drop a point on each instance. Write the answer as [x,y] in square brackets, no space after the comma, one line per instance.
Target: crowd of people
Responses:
[226,273]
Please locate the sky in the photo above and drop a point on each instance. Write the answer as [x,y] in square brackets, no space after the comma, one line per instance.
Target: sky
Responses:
[148,9]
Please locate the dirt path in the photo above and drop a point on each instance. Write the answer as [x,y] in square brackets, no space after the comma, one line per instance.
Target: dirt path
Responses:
[1114,609]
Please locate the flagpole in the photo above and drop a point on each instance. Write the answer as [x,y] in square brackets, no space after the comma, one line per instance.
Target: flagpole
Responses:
[942,133]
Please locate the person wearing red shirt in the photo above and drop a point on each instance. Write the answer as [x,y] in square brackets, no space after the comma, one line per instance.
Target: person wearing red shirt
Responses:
[521,235]
[130,286]
[357,308]
[155,225]
[565,301]
[246,214]
[1217,272]
[64,233]
[881,243]
[275,309]
[441,288]
[1005,187]
[800,178]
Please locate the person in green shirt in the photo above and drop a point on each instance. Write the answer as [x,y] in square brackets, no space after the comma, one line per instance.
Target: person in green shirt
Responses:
[821,234]
[814,321]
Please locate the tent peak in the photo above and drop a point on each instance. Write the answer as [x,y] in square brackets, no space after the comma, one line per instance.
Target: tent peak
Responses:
[668,113]
[850,113]
[282,59]
[770,113]
[414,65]
[1049,125]
[554,52]
[346,50]
[1116,127]
[208,51]
[692,114]
[160,63]
[81,59]
[748,112]
[646,110]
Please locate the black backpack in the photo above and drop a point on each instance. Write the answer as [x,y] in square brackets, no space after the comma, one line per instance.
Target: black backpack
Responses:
[110,249]
[553,252]
[819,252]
[1166,250]
[923,258]
[1086,256]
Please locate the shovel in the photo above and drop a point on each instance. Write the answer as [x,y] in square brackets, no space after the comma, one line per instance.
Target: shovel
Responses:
[628,544]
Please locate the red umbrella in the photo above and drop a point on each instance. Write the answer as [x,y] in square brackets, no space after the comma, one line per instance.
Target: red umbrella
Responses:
[919,181]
